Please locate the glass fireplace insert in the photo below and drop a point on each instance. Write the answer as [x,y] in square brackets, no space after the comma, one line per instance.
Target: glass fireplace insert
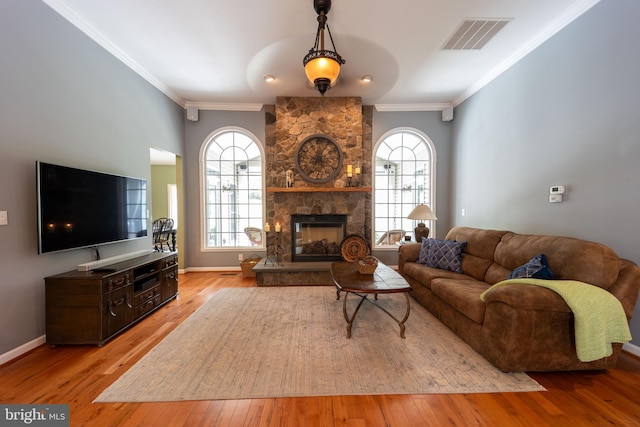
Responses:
[317,237]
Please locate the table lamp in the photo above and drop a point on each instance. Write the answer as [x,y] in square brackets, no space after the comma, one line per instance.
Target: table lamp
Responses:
[421,213]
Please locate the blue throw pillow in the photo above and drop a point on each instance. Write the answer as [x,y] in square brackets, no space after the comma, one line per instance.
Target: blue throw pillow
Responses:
[424,251]
[445,254]
[536,268]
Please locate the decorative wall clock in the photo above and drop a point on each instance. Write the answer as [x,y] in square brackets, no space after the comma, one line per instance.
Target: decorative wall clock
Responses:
[318,159]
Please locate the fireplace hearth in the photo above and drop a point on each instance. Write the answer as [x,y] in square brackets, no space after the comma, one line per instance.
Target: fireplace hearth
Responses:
[317,237]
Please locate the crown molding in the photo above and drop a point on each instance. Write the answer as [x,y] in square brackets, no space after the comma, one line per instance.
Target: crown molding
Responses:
[411,107]
[225,106]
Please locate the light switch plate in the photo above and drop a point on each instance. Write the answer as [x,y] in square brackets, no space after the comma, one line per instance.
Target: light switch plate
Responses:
[3,218]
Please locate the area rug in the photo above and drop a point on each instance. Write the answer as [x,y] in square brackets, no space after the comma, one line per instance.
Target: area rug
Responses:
[291,341]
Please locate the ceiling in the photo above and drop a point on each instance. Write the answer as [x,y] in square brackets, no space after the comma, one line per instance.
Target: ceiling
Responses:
[214,54]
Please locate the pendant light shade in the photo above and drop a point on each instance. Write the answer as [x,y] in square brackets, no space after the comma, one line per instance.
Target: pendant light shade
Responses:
[321,66]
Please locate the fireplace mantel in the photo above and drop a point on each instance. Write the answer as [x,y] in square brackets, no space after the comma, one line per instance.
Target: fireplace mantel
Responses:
[318,189]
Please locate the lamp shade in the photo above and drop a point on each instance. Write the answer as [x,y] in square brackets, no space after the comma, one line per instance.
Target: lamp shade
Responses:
[422,213]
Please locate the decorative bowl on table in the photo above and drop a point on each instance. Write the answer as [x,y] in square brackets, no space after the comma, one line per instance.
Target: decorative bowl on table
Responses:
[367,265]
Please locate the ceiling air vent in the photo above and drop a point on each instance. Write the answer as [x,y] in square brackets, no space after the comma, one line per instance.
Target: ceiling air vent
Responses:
[474,33]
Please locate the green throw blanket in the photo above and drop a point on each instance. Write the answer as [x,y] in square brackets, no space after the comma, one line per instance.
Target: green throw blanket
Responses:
[599,317]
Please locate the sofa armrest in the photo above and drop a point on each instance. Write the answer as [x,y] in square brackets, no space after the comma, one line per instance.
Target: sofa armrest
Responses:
[526,297]
[627,287]
[408,253]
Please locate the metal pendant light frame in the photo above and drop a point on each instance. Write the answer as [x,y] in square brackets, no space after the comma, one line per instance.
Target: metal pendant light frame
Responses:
[322,7]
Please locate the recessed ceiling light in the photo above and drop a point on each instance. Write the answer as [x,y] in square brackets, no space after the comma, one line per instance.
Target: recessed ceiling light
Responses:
[269,78]
[367,79]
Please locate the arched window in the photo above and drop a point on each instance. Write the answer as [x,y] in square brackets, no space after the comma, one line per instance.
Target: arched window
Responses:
[232,190]
[404,178]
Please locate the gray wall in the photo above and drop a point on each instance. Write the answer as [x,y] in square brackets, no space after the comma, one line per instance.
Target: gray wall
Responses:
[567,114]
[195,135]
[64,100]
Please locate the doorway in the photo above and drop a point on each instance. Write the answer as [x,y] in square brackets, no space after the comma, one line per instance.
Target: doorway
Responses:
[166,192]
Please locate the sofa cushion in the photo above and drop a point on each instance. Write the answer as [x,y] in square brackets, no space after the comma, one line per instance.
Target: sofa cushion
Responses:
[424,251]
[536,268]
[496,273]
[478,252]
[475,266]
[569,258]
[425,275]
[445,254]
[462,295]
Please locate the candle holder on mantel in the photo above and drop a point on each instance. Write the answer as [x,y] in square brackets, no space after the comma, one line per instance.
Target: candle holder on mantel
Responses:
[353,181]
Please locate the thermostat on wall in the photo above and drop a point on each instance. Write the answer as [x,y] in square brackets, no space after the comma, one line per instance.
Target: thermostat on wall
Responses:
[556,189]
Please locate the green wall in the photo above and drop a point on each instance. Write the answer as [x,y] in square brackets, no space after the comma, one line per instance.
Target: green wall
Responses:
[161,176]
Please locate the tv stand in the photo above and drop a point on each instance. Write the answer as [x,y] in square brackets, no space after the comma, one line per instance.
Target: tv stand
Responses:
[91,307]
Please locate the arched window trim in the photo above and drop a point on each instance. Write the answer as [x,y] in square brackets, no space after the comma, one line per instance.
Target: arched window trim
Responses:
[202,182]
[432,179]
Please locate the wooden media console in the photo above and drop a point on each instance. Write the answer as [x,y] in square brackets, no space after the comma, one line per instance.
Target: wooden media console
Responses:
[90,307]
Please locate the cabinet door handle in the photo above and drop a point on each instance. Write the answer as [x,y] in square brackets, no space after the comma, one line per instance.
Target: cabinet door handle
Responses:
[116,283]
[113,304]
[111,309]
[126,299]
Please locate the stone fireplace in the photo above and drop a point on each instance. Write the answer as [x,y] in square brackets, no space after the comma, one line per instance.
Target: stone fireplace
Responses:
[288,123]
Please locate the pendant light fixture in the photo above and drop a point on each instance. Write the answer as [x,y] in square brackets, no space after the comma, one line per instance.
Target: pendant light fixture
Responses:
[322,66]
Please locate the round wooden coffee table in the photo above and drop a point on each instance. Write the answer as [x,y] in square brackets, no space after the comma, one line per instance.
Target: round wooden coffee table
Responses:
[384,280]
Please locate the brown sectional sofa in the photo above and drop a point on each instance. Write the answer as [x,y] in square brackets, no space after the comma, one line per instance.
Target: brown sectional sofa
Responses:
[523,327]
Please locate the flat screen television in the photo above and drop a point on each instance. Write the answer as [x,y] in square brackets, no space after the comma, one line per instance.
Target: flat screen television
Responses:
[80,208]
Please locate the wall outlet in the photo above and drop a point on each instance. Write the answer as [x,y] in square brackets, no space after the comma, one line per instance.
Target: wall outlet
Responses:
[240,257]
[4,220]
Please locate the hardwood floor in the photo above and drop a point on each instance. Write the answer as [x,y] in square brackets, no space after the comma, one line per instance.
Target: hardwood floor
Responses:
[76,375]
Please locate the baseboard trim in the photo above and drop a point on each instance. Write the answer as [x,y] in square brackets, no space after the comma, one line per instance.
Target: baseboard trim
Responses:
[206,269]
[24,348]
[631,348]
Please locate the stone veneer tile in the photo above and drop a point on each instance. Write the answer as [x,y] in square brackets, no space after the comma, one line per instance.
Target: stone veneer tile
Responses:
[288,123]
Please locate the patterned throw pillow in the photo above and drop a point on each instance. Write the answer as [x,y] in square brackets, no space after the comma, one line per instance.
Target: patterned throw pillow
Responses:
[536,268]
[424,251]
[445,254]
